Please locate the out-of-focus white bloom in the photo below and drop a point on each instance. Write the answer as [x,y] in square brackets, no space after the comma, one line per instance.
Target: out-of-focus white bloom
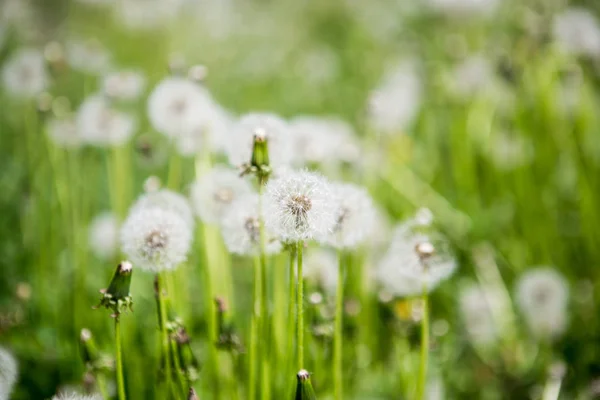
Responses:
[63,132]
[472,76]
[166,200]
[24,75]
[213,193]
[542,295]
[394,104]
[510,151]
[300,206]
[323,140]
[146,14]
[101,125]
[176,105]
[577,31]
[88,56]
[464,8]
[240,227]
[9,370]
[275,129]
[211,129]
[355,216]
[321,267]
[124,85]
[155,239]
[476,312]
[103,235]
[77,396]
[407,269]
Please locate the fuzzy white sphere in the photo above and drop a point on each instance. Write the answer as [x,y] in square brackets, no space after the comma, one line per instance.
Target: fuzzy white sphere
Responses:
[155,239]
[300,206]
[213,193]
[240,228]
[24,74]
[476,312]
[542,295]
[168,200]
[274,128]
[103,235]
[99,124]
[88,56]
[9,371]
[355,217]
[125,85]
[577,31]
[209,130]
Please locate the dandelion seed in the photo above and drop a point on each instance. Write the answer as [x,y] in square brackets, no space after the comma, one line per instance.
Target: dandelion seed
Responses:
[63,132]
[126,85]
[240,228]
[300,206]
[8,373]
[276,131]
[476,312]
[24,74]
[542,295]
[577,31]
[155,239]
[321,267]
[103,235]
[394,104]
[415,262]
[88,56]
[213,193]
[165,200]
[101,125]
[355,217]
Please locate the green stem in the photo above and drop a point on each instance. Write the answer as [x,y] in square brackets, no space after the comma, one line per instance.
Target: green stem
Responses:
[255,329]
[424,349]
[267,342]
[338,336]
[120,380]
[299,308]
[291,317]
[162,309]
[101,385]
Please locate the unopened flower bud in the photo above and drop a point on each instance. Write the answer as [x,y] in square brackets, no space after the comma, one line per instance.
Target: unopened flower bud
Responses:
[304,389]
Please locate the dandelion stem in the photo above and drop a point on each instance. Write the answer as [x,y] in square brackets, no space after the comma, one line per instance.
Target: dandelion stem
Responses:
[101,384]
[162,310]
[254,329]
[291,317]
[120,380]
[265,326]
[424,349]
[299,308]
[338,336]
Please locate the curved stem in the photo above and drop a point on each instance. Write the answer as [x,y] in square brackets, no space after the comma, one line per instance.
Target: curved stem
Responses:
[120,380]
[338,335]
[424,349]
[299,308]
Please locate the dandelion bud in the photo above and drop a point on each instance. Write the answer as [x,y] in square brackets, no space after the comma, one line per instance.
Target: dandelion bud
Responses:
[260,155]
[304,389]
[192,395]
[117,297]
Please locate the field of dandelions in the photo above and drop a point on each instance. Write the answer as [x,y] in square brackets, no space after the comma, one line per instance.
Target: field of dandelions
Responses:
[341,199]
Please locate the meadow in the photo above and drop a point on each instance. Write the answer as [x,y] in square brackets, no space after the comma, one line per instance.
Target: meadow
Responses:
[257,199]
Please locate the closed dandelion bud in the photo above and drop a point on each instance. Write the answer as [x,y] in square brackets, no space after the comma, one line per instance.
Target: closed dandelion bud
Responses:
[304,389]
[117,297]
[260,154]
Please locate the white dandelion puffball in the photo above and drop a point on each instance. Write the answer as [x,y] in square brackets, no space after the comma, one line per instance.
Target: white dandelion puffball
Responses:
[300,206]
[176,105]
[88,56]
[168,200]
[414,263]
[101,125]
[577,31]
[395,103]
[126,85]
[323,140]
[63,132]
[210,129]
[155,239]
[240,228]
[214,192]
[24,74]
[276,131]
[321,267]
[9,371]
[355,216]
[542,295]
[103,235]
[464,8]
[476,313]
[77,396]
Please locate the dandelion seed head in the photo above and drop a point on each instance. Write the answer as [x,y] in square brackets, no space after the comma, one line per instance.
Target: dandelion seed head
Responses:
[63,132]
[125,85]
[577,31]
[155,239]
[321,268]
[276,131]
[24,74]
[213,193]
[240,227]
[99,124]
[300,206]
[542,295]
[169,200]
[355,216]
[476,312]
[103,235]
[77,396]
[210,129]
[9,370]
